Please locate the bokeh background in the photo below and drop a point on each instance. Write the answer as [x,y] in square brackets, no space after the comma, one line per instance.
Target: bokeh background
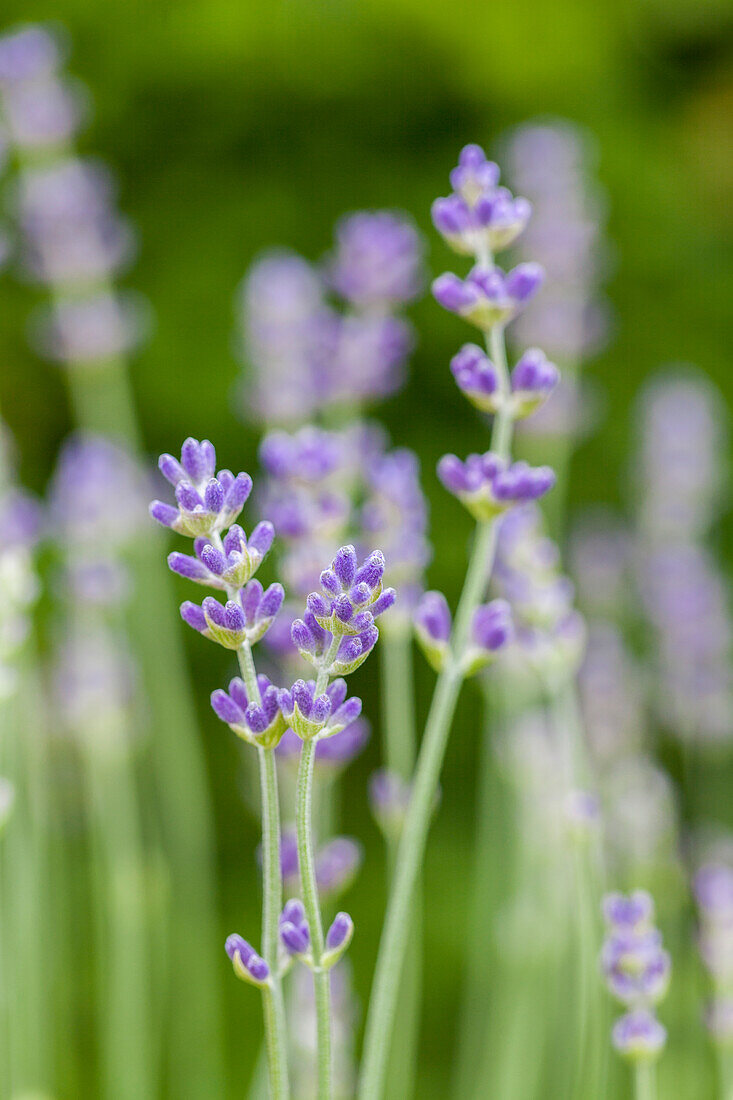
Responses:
[235,126]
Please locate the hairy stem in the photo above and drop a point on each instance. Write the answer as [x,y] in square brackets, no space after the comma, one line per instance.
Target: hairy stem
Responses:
[272,999]
[398,721]
[321,981]
[397,926]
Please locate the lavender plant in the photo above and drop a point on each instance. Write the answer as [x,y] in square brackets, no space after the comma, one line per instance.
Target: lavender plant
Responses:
[339,481]
[478,218]
[336,635]
[637,971]
[67,236]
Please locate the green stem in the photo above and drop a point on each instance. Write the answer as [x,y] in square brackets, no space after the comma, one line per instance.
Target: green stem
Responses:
[398,720]
[645,1081]
[273,1007]
[396,930]
[309,884]
[397,927]
[321,980]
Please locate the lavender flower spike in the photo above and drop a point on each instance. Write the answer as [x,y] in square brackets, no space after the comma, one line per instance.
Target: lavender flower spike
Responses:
[639,1036]
[246,962]
[488,296]
[378,260]
[351,598]
[257,723]
[206,504]
[487,485]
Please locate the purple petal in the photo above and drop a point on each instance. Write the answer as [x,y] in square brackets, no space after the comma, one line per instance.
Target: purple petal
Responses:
[192,614]
[341,927]
[163,513]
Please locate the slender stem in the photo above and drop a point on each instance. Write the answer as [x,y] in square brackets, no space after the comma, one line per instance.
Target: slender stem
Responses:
[725,1071]
[645,1081]
[398,721]
[306,860]
[272,999]
[397,928]
[321,980]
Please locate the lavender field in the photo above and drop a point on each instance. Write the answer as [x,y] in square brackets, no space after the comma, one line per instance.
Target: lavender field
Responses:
[366,697]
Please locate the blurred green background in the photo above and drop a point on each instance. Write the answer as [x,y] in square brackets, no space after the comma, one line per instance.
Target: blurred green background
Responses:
[237,125]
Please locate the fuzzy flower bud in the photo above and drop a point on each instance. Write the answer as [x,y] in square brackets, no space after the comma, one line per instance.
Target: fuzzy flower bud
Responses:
[246,962]
[351,598]
[488,296]
[487,485]
[491,224]
[433,623]
[246,619]
[258,723]
[231,567]
[206,504]
[294,930]
[491,629]
[633,961]
[322,716]
[638,1036]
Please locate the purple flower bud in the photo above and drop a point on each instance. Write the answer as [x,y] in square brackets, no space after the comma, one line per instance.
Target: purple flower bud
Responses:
[487,486]
[492,625]
[344,566]
[628,913]
[198,460]
[341,929]
[171,469]
[337,863]
[247,963]
[639,1036]
[476,377]
[433,617]
[635,966]
[236,945]
[524,281]
[192,614]
[378,261]
[226,708]
[296,939]
[163,513]
[488,297]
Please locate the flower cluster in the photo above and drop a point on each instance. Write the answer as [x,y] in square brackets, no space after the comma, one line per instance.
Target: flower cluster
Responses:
[489,485]
[491,629]
[351,598]
[337,863]
[71,238]
[680,487]
[713,889]
[532,381]
[295,935]
[20,527]
[305,354]
[550,634]
[637,970]
[552,163]
[488,296]
[207,504]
